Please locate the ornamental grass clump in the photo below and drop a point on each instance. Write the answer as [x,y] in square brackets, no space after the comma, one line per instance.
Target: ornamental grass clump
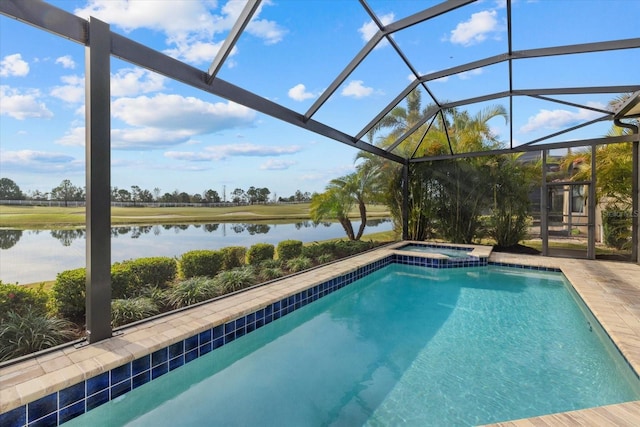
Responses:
[125,311]
[299,264]
[191,291]
[236,279]
[31,331]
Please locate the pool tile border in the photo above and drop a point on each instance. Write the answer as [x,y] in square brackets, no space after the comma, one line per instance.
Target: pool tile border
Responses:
[70,402]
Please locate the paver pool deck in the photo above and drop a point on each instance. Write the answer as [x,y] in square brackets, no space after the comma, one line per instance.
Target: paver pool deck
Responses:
[611,290]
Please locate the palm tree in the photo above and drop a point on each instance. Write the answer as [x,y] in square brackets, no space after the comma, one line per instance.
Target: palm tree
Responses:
[445,194]
[340,196]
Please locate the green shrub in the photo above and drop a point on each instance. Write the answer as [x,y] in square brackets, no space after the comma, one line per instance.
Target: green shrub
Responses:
[125,311]
[236,279]
[154,271]
[20,299]
[122,280]
[616,225]
[68,294]
[316,250]
[31,331]
[201,263]
[191,291]
[233,256]
[260,252]
[298,264]
[289,249]
[325,258]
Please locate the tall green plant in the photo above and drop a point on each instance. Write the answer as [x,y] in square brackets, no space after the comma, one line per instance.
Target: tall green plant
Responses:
[31,331]
[513,182]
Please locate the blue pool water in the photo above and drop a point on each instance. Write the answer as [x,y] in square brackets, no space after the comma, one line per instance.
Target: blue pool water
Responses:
[405,345]
[450,252]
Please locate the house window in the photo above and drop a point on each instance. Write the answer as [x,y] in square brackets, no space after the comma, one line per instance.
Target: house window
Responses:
[577,198]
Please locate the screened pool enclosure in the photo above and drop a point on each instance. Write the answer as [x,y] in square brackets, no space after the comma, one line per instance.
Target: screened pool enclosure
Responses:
[529,68]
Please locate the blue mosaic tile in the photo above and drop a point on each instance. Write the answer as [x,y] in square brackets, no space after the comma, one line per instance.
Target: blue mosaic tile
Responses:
[191,355]
[140,365]
[218,332]
[97,399]
[71,394]
[48,421]
[97,383]
[176,349]
[229,327]
[120,389]
[70,412]
[190,343]
[121,373]
[42,407]
[240,323]
[14,418]
[205,348]
[160,356]
[205,336]
[141,379]
[159,370]
[176,363]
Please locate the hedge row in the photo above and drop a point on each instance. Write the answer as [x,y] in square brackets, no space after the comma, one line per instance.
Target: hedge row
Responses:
[137,278]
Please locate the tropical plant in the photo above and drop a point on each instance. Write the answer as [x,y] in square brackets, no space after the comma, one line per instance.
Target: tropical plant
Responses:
[513,182]
[299,264]
[342,194]
[31,331]
[446,197]
[191,291]
[236,279]
[124,311]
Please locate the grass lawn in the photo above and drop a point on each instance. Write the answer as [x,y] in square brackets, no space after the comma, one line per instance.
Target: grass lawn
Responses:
[44,217]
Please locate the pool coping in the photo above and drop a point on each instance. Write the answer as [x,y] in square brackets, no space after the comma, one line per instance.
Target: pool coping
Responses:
[607,288]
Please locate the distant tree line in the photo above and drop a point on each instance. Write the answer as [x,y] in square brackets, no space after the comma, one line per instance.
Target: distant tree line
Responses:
[66,191]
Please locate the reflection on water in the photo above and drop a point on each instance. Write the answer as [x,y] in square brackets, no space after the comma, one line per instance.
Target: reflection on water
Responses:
[37,255]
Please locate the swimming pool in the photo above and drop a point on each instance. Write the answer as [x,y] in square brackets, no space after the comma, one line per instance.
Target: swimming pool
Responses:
[449,251]
[403,344]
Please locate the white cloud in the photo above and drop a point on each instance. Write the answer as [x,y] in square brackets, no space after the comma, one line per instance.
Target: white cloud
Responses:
[476,29]
[177,112]
[165,120]
[557,119]
[190,26]
[466,75]
[73,90]
[221,152]
[356,89]
[22,105]
[39,161]
[13,65]
[134,81]
[369,29]
[74,137]
[299,93]
[273,164]
[66,61]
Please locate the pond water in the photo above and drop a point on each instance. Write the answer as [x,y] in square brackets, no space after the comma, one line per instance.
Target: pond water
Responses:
[28,256]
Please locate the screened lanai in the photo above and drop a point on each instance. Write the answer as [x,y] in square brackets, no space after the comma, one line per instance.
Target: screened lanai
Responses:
[581,81]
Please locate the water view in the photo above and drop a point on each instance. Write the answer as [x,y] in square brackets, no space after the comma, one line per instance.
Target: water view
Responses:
[28,256]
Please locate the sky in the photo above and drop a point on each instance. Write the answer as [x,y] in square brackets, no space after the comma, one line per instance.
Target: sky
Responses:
[169,136]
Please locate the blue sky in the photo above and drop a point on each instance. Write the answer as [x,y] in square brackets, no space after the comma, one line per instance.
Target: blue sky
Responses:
[170,136]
